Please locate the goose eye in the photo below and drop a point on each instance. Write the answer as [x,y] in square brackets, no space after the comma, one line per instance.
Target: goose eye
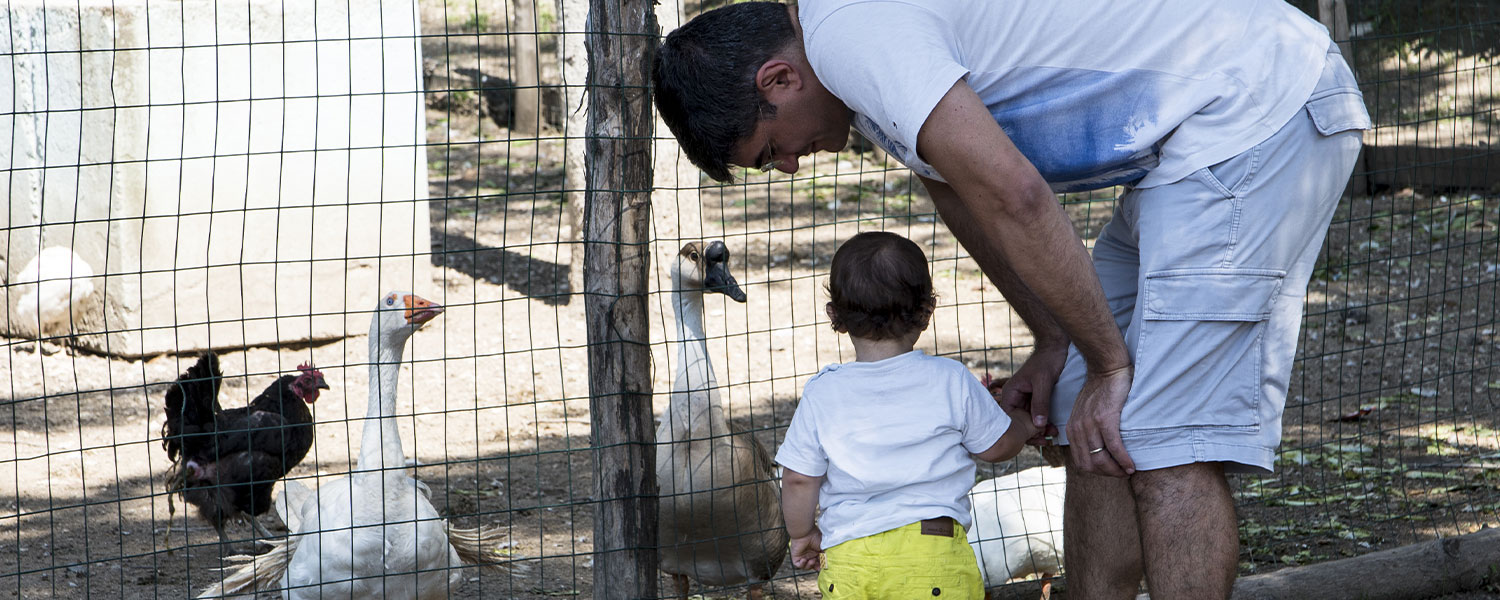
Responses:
[389,300]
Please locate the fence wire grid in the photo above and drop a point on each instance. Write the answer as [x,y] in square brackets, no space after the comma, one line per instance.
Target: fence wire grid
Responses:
[252,177]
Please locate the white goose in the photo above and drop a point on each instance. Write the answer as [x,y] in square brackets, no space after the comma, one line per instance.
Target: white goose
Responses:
[1018,525]
[373,533]
[720,507]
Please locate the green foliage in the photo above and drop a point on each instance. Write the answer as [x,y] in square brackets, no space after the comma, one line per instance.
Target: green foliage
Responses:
[476,22]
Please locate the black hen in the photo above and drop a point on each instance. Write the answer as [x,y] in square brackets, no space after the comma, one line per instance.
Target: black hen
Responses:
[226,462]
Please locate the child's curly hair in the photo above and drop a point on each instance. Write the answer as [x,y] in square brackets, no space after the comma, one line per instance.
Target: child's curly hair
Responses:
[879,287]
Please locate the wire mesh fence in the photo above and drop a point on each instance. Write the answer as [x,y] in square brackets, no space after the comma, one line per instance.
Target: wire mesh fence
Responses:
[254,177]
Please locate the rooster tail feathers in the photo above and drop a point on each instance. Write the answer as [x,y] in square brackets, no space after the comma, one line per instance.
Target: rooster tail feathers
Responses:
[201,385]
[192,399]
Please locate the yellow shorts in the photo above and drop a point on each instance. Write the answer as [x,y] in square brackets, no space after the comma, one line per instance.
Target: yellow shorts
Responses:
[902,564]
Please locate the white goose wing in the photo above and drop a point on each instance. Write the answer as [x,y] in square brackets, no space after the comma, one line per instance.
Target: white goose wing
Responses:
[289,502]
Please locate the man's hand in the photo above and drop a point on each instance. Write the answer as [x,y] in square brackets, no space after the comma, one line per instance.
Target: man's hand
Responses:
[1030,390]
[1094,426]
[807,551]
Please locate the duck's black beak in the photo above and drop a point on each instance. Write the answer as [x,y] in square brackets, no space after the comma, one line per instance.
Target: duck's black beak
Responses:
[719,280]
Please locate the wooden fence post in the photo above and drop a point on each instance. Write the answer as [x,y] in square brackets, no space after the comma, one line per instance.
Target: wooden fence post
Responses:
[617,216]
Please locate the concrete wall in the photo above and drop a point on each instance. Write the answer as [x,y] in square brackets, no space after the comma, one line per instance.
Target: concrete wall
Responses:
[237,173]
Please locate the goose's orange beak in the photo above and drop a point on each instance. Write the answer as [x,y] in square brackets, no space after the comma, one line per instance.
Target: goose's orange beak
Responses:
[420,310]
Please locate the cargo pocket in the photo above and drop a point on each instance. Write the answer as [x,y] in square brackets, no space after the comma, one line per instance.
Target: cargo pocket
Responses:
[1200,354]
[1337,113]
[1336,105]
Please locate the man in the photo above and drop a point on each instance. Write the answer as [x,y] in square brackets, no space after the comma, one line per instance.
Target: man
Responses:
[1232,125]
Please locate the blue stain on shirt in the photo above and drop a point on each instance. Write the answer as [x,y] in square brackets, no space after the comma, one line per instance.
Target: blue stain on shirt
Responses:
[1082,129]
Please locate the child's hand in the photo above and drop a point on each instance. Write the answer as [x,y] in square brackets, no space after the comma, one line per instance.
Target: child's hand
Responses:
[808,550]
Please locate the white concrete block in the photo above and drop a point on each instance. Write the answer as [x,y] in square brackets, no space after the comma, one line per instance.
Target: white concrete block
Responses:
[234,173]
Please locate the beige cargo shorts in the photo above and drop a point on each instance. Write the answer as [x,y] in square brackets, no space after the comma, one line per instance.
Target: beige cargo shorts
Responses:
[1207,276]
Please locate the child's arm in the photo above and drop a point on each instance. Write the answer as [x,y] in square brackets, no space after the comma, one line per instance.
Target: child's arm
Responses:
[799,507]
[1011,442]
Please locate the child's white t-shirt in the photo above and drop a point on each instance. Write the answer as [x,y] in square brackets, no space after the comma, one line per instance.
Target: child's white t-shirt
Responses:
[894,439]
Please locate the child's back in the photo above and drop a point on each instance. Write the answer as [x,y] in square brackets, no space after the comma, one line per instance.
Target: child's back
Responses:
[894,439]
[885,444]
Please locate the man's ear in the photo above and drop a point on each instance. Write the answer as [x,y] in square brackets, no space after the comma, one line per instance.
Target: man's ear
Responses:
[777,75]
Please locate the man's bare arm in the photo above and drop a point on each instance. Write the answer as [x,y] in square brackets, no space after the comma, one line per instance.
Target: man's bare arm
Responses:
[1013,218]
[1015,222]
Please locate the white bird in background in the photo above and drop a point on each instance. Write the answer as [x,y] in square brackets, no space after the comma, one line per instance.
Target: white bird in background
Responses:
[55,285]
[720,506]
[1018,525]
[373,533]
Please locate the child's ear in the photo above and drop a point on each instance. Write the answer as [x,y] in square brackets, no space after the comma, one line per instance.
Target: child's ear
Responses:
[928,308]
[833,317]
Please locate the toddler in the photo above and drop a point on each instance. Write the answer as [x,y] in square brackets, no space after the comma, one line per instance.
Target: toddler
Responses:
[884,445]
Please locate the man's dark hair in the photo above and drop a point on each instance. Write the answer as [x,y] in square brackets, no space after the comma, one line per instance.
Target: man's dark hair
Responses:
[705,79]
[879,287]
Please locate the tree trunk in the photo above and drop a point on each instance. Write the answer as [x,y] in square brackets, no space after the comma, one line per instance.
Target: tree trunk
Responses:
[621,45]
[575,71]
[1334,14]
[523,64]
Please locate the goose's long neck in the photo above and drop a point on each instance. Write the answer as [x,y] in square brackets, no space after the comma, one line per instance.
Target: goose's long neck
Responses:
[380,448]
[694,372]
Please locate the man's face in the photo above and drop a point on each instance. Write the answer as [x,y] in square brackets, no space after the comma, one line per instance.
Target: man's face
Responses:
[804,124]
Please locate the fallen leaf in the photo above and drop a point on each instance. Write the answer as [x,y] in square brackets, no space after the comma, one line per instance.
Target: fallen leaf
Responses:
[1356,415]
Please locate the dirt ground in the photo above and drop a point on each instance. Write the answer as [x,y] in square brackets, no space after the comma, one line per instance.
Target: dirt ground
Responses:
[1391,431]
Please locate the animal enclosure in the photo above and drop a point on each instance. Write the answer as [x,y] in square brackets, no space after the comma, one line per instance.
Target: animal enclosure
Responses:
[445,155]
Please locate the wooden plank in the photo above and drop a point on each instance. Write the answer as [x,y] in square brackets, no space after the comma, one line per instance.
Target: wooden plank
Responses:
[1422,570]
[1431,169]
[617,213]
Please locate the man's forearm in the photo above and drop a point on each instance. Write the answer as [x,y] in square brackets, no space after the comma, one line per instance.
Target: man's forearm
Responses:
[1049,258]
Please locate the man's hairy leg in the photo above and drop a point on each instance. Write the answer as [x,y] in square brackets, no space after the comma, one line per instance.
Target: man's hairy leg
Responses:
[1103,559]
[1188,532]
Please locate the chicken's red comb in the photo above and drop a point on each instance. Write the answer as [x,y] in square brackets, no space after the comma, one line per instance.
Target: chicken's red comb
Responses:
[306,367]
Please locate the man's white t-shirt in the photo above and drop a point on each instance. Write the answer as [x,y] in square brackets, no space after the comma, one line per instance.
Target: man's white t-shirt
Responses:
[1094,93]
[894,439]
